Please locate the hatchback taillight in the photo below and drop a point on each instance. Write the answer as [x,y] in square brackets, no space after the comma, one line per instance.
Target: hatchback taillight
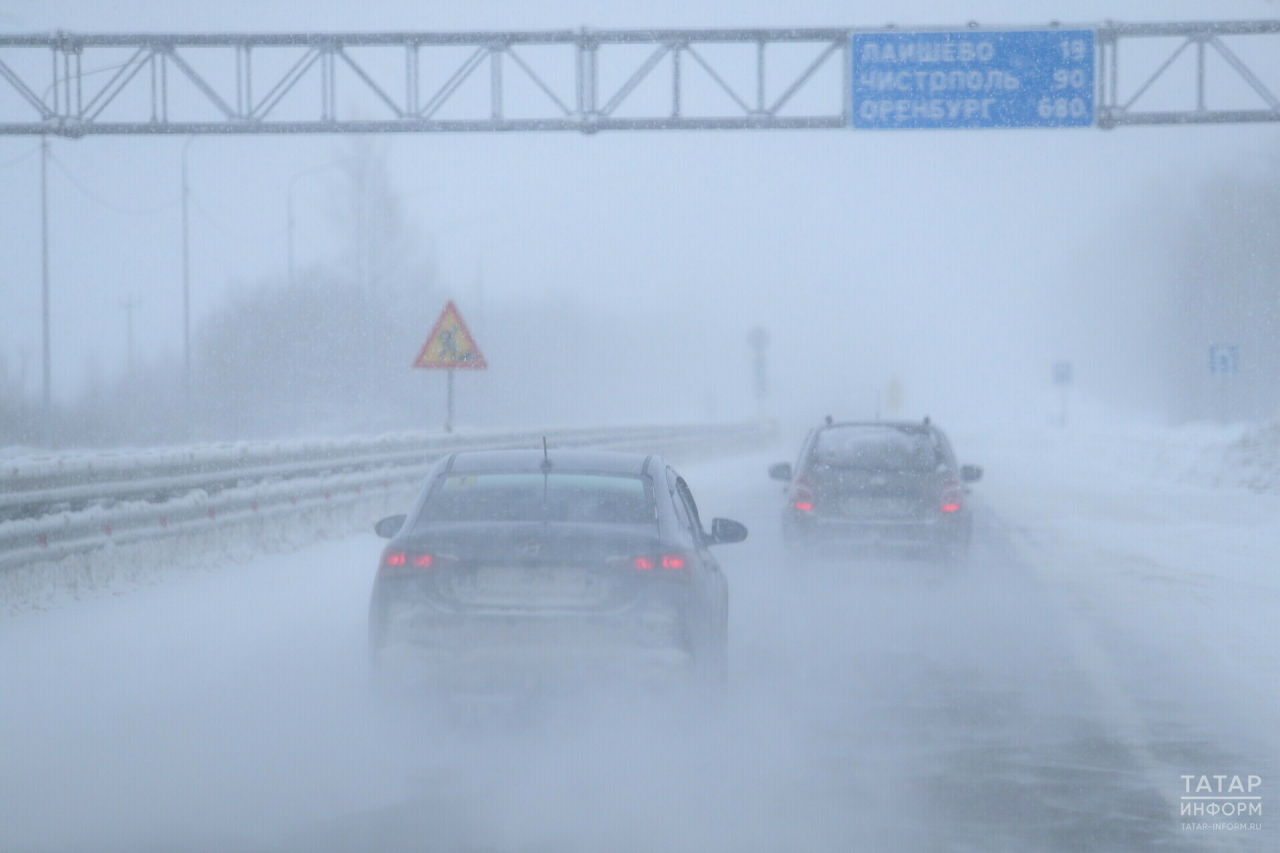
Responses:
[802,495]
[951,497]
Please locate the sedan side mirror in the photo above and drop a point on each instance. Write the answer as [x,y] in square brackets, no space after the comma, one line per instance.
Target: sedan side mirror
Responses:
[724,531]
[780,471]
[389,526]
[971,473]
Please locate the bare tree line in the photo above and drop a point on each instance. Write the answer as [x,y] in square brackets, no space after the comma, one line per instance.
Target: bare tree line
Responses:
[332,354]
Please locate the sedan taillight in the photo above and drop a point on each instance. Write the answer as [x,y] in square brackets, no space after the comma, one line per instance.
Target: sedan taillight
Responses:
[397,562]
[674,562]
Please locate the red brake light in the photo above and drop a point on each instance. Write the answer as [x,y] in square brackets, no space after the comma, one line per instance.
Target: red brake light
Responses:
[950,497]
[802,495]
[396,562]
[670,562]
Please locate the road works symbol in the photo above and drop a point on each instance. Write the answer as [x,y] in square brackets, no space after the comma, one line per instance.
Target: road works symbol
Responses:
[450,347]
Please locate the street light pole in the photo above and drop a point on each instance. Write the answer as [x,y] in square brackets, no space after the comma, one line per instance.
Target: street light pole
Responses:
[186,277]
[128,305]
[46,351]
[289,230]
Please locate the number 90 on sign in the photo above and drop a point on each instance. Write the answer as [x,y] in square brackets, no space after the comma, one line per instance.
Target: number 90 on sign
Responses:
[1073,78]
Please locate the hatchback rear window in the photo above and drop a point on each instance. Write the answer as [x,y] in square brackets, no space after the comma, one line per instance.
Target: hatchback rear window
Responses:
[528,496]
[877,449]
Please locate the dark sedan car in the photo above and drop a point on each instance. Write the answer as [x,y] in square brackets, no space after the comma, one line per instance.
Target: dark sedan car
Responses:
[880,485]
[517,567]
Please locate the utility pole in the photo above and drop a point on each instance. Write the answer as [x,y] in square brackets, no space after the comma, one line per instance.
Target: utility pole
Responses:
[44,280]
[479,295]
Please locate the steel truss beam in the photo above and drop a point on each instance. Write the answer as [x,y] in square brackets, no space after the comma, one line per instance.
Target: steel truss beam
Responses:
[1127,105]
[295,83]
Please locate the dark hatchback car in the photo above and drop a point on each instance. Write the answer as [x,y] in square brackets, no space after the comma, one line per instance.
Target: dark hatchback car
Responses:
[518,567]
[881,485]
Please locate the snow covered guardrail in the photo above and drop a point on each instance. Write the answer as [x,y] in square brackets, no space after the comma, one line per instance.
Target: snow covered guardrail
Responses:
[58,505]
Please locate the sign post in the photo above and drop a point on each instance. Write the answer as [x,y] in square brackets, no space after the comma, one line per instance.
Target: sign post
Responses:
[894,396]
[758,340]
[1224,361]
[1062,377]
[448,416]
[450,347]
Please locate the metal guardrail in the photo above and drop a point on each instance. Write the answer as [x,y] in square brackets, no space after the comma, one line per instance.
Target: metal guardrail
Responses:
[56,506]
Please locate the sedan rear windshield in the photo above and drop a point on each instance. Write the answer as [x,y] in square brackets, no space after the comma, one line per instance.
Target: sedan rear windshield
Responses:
[528,496]
[877,448]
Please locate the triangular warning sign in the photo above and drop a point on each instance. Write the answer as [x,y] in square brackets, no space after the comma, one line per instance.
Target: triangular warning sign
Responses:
[450,345]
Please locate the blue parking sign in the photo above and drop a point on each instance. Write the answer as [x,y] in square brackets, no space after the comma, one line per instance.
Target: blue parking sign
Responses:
[973,79]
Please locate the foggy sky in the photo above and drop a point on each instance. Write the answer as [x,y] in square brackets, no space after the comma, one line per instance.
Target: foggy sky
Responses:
[951,259]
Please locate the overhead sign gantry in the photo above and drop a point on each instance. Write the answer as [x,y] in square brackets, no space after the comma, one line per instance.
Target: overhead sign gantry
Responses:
[74,85]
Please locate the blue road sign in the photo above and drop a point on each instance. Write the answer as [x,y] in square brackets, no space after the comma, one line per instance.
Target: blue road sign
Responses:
[1062,373]
[973,79]
[1224,358]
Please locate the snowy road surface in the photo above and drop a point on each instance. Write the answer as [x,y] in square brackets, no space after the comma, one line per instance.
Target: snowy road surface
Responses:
[1112,633]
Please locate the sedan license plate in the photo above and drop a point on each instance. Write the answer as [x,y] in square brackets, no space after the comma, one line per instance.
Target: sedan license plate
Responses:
[533,587]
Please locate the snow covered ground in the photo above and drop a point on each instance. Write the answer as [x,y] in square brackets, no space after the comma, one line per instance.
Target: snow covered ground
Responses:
[1169,535]
[1165,546]
[1112,633]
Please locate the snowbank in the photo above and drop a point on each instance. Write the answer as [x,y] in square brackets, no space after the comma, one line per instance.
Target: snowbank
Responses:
[1236,456]
[1162,544]
[118,569]
[1254,458]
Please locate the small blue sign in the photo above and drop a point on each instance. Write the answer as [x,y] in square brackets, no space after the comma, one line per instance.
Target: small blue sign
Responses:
[973,79]
[1062,373]
[1224,359]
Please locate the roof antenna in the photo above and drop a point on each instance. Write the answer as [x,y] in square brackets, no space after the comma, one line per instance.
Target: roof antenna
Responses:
[545,467]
